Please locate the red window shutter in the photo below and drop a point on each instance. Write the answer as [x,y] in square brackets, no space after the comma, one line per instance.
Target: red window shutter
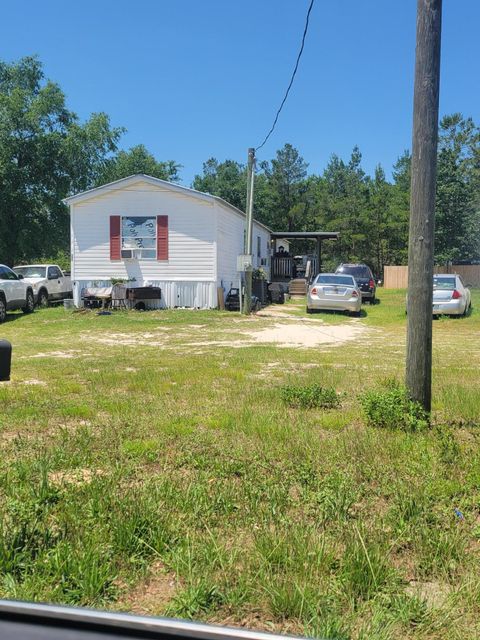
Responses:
[115,240]
[162,237]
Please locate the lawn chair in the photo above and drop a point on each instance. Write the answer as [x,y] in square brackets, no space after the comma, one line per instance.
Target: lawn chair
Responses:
[119,296]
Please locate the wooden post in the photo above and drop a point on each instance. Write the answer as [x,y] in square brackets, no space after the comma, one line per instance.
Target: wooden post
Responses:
[422,202]
[319,256]
[247,303]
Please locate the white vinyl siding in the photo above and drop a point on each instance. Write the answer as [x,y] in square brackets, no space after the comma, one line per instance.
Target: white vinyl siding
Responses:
[230,243]
[191,235]
[205,236]
[230,234]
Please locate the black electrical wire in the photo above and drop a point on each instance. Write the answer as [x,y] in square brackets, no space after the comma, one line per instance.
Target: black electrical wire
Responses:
[291,79]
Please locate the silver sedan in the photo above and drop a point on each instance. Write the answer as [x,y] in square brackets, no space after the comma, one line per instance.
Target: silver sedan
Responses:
[450,295]
[334,292]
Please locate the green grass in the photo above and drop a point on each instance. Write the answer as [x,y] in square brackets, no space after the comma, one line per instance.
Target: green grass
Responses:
[153,447]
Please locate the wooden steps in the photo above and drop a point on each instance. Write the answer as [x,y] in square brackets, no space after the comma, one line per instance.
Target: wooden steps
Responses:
[298,287]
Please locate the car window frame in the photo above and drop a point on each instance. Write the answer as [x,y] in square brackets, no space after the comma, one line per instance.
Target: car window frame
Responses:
[10,272]
[55,271]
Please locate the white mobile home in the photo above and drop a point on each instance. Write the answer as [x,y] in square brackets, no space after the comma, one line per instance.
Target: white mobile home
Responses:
[157,233]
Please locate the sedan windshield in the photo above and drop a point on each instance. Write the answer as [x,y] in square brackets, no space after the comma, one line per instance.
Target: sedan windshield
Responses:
[334,279]
[443,283]
[31,272]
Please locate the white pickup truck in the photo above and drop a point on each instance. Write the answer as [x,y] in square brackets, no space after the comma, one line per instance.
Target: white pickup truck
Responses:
[48,282]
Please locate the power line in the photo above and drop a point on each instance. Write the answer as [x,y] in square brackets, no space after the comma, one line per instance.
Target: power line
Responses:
[291,79]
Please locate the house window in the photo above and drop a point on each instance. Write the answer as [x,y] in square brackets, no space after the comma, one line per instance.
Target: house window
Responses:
[139,237]
[259,246]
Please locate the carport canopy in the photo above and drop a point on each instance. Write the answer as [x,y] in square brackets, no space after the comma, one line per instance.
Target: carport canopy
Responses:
[307,235]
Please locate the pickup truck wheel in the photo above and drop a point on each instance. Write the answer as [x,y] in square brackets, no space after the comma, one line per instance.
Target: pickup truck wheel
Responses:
[42,300]
[30,303]
[3,309]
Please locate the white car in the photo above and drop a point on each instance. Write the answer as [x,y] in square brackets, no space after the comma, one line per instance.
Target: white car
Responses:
[450,296]
[14,293]
[334,292]
[48,282]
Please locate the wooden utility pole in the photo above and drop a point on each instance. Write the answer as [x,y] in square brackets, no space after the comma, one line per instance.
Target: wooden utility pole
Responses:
[247,304]
[422,202]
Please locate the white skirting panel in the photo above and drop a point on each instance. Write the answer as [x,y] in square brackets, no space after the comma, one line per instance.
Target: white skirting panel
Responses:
[195,295]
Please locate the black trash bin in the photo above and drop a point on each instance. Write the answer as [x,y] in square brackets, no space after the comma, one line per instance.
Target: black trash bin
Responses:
[5,360]
[276,293]
[260,290]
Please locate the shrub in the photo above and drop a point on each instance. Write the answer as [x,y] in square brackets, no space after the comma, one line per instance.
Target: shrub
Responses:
[392,408]
[310,396]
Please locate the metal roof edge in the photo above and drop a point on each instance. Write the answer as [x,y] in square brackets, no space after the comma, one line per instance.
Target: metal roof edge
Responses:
[136,177]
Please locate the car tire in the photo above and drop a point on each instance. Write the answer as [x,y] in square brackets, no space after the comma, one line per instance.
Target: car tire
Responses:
[355,314]
[42,300]
[373,300]
[30,303]
[3,309]
[309,310]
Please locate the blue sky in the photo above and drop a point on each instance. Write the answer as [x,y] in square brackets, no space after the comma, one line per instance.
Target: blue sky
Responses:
[193,79]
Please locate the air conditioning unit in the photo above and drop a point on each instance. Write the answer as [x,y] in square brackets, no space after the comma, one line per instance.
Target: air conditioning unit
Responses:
[130,254]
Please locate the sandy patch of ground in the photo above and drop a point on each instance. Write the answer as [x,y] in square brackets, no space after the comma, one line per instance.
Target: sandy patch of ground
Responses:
[301,334]
[74,476]
[285,331]
[152,595]
[276,311]
[34,381]
[128,339]
[72,353]
[280,368]
[435,594]
[8,436]
[237,344]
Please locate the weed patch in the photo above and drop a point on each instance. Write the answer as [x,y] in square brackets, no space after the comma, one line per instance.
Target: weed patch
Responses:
[391,408]
[310,396]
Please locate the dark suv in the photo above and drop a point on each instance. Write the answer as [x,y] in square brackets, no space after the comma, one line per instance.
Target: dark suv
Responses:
[364,277]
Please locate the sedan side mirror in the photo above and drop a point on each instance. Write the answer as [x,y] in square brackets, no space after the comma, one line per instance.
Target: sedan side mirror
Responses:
[20,276]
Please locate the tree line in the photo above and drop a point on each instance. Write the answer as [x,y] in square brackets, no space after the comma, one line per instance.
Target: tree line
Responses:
[46,153]
[370,212]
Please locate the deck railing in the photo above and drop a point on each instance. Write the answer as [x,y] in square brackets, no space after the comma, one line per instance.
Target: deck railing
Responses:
[286,269]
[282,268]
